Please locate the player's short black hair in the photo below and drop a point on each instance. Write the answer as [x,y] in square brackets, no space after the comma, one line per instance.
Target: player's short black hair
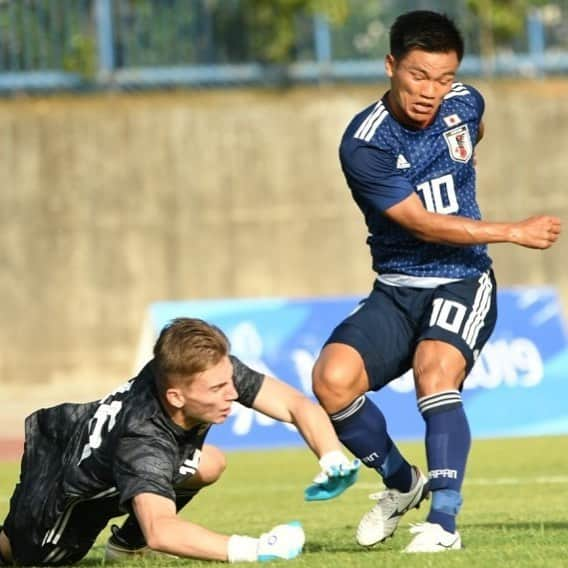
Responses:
[426,30]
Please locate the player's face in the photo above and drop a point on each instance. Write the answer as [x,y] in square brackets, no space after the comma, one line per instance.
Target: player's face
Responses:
[419,82]
[209,396]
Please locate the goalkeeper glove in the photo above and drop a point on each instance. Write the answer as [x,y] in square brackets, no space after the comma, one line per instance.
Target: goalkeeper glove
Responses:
[282,542]
[337,475]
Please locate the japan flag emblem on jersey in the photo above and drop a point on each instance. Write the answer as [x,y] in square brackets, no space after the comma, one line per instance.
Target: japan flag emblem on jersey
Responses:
[459,143]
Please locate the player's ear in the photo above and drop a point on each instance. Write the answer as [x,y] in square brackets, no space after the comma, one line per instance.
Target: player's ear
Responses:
[390,63]
[175,397]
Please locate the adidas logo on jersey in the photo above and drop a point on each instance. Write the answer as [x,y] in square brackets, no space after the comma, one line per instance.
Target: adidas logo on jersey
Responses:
[402,163]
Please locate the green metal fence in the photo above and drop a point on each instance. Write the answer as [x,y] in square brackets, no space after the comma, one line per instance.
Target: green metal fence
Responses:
[102,43]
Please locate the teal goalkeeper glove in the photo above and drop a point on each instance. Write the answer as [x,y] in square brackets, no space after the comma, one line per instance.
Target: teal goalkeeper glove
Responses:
[282,542]
[337,475]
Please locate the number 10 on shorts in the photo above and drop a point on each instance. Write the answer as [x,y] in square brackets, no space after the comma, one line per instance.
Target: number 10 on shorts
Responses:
[447,314]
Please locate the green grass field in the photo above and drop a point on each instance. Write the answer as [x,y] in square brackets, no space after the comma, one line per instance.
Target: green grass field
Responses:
[515,511]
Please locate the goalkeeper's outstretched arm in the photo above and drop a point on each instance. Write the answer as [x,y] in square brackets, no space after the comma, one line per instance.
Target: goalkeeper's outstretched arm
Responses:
[166,532]
[286,404]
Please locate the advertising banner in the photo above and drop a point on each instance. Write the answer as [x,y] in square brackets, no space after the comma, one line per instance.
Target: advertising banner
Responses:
[518,387]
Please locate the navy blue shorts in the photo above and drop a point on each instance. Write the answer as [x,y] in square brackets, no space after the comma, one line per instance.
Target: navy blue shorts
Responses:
[387,326]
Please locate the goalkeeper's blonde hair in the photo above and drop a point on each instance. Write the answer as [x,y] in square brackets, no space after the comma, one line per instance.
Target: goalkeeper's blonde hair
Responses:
[187,346]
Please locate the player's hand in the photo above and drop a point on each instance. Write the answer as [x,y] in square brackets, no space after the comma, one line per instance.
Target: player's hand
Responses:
[338,474]
[283,542]
[539,232]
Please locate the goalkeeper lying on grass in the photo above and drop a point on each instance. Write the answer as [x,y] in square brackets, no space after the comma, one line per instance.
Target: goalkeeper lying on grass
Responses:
[140,450]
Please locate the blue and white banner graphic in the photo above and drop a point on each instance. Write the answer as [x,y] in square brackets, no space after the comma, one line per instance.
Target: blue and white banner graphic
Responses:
[518,387]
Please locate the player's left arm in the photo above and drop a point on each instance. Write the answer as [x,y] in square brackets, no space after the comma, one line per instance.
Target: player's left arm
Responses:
[286,404]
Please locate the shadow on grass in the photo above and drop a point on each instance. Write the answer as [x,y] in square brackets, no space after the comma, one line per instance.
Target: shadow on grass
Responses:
[315,548]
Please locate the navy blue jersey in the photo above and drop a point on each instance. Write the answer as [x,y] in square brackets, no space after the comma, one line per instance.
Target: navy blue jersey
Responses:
[384,162]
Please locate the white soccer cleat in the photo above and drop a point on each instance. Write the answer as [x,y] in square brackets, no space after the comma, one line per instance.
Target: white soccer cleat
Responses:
[430,537]
[381,521]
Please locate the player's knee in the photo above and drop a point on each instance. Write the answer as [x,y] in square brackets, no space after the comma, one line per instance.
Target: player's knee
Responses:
[427,378]
[432,377]
[437,367]
[335,384]
[213,465]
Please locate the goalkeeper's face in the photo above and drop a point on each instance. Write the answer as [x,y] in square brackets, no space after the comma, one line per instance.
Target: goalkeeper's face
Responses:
[208,396]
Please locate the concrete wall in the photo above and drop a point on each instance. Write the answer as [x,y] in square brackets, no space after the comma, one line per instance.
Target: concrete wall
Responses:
[110,202]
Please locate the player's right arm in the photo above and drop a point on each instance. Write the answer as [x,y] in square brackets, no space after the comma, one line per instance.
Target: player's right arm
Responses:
[538,232]
[144,472]
[165,532]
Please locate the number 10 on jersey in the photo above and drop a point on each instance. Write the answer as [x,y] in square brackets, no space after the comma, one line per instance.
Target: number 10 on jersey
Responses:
[439,195]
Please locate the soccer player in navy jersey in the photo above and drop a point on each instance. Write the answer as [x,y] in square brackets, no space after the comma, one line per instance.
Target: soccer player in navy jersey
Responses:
[140,450]
[408,160]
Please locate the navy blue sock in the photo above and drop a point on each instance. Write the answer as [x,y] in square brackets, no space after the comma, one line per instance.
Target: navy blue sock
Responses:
[448,440]
[362,428]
